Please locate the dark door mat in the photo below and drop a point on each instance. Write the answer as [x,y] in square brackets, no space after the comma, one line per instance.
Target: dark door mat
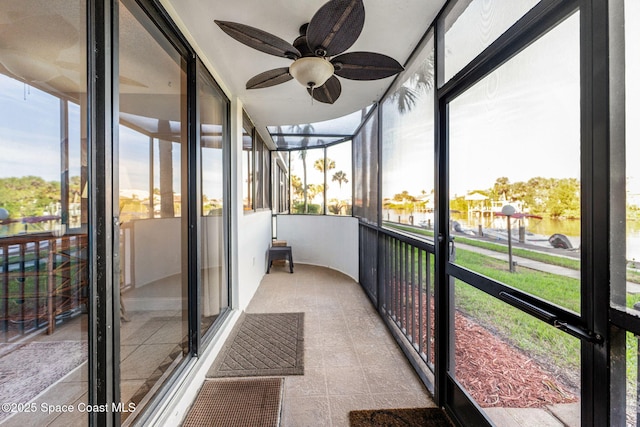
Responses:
[263,344]
[411,417]
[240,402]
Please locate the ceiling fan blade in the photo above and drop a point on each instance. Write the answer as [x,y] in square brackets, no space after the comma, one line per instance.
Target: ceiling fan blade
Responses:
[260,40]
[365,66]
[328,92]
[335,27]
[269,78]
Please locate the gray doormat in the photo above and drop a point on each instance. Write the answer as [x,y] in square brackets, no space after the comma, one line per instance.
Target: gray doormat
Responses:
[241,402]
[263,344]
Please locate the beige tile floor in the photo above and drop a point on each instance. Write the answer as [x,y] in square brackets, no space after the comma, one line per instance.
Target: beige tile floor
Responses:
[351,359]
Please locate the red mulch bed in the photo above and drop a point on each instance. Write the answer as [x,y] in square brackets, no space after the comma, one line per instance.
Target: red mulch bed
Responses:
[497,374]
[493,371]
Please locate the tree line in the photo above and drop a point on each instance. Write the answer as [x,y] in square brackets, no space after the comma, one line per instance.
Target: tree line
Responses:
[30,196]
[550,197]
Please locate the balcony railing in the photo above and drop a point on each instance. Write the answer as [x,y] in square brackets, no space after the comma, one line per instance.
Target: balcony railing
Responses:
[43,281]
[396,271]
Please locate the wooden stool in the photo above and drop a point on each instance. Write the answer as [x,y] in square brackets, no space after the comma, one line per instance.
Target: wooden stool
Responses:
[280,252]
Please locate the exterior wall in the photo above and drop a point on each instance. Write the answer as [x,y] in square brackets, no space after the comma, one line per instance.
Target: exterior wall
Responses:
[329,241]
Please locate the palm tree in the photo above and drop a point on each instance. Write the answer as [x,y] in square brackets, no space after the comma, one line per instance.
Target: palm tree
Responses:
[319,164]
[305,131]
[303,156]
[502,187]
[296,185]
[420,82]
[340,177]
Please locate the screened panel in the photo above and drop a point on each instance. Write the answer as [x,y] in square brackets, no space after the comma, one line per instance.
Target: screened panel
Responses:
[327,131]
[632,148]
[515,168]
[338,177]
[301,142]
[408,147]
[510,362]
[472,25]
[307,181]
[365,149]
[624,241]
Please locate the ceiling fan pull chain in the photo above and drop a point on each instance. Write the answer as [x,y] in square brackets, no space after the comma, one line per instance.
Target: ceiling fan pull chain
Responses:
[312,89]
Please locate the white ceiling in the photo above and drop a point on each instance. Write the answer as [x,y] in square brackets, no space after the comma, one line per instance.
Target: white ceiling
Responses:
[392,27]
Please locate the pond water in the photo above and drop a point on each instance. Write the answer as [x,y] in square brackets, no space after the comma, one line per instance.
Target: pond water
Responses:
[544,227]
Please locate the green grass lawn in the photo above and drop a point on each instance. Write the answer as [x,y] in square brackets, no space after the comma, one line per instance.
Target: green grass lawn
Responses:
[561,290]
[520,329]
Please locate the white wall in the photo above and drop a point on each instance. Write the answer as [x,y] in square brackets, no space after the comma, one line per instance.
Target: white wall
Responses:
[250,232]
[156,249]
[254,239]
[329,241]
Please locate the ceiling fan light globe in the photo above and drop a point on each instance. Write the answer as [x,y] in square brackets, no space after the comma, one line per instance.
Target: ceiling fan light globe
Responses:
[311,71]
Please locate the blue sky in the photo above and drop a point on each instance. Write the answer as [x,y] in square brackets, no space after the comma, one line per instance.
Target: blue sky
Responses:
[29,133]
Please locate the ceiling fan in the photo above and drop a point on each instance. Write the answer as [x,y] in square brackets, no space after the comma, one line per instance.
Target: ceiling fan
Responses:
[317,53]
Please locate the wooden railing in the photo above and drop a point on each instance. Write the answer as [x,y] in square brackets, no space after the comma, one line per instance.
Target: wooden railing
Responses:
[43,281]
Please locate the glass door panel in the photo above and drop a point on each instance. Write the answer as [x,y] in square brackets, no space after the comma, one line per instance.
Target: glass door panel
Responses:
[247,165]
[44,274]
[214,290]
[152,147]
